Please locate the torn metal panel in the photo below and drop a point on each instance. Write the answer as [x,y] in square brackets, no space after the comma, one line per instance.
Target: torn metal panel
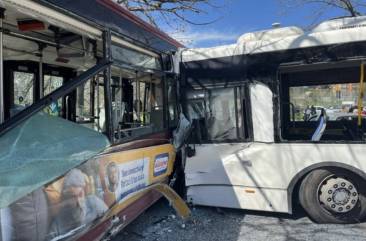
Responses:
[181,132]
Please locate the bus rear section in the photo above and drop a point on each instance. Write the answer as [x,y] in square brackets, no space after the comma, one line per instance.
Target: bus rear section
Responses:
[279,122]
[86,121]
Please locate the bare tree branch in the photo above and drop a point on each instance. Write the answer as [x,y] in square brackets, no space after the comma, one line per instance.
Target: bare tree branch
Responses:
[171,12]
[351,8]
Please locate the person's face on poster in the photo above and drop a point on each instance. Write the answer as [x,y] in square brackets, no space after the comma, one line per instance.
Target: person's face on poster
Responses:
[75,196]
[74,204]
[113,177]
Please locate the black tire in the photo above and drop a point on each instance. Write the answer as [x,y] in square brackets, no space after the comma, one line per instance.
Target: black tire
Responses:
[309,197]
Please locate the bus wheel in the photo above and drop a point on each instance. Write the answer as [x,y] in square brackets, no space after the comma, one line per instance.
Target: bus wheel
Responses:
[333,196]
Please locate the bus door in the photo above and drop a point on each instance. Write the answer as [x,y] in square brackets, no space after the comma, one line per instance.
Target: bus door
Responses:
[216,169]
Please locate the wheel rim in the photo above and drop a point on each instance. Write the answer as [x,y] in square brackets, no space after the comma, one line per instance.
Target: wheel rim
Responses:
[338,195]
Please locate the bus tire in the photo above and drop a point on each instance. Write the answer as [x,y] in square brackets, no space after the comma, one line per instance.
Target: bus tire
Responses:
[333,196]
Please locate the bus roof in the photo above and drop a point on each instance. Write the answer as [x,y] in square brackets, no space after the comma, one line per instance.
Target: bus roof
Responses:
[118,19]
[336,31]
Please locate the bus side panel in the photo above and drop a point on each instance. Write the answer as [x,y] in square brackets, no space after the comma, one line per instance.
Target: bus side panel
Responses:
[92,193]
[261,166]
[260,199]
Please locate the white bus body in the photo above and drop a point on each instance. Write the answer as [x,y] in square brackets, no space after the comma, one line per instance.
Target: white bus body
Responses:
[275,161]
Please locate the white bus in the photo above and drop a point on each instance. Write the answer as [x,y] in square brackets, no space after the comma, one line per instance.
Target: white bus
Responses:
[269,127]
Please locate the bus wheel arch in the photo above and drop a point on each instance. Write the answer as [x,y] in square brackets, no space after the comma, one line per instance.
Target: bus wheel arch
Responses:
[302,179]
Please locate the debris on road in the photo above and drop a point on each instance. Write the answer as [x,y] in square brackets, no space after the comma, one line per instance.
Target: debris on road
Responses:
[160,223]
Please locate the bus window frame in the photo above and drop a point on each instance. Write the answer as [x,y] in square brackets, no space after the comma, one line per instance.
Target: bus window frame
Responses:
[131,66]
[163,76]
[171,79]
[312,71]
[242,94]
[64,90]
[32,68]
[34,80]
[9,68]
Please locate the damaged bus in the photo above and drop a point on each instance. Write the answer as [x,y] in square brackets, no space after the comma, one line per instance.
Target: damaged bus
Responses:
[278,119]
[87,109]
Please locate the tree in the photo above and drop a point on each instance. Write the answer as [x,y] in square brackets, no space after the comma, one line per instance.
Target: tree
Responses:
[170,12]
[351,8]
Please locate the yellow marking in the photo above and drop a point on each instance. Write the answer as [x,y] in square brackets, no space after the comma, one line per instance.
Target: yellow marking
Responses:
[178,203]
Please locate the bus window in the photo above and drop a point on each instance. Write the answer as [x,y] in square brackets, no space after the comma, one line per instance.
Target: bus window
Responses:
[172,102]
[23,91]
[215,114]
[155,105]
[90,108]
[221,122]
[84,111]
[137,104]
[338,100]
[50,84]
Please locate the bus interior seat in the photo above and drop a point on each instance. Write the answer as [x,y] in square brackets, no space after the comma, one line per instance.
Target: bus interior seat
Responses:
[322,124]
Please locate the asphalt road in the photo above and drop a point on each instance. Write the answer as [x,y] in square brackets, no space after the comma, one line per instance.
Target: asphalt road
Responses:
[160,223]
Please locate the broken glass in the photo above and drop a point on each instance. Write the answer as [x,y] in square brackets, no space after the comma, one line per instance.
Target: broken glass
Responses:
[41,149]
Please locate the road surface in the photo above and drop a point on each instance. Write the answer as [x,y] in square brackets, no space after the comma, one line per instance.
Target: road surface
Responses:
[160,223]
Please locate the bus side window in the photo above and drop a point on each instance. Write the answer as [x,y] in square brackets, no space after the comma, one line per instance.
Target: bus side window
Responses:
[172,102]
[137,104]
[90,108]
[50,84]
[155,106]
[336,95]
[23,88]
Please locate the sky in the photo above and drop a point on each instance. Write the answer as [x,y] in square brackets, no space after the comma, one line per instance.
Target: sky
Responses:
[236,17]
